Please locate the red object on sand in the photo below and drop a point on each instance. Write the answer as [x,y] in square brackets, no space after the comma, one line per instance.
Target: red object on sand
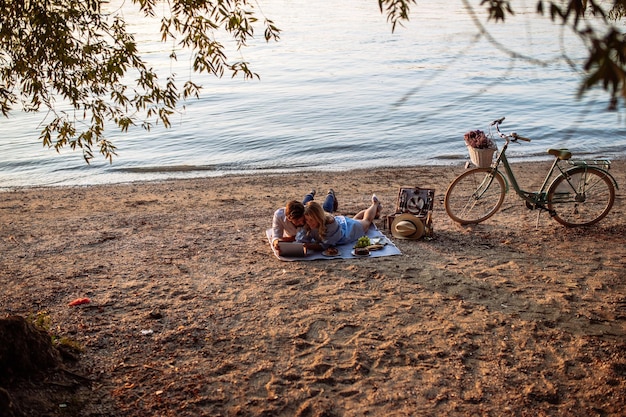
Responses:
[79,301]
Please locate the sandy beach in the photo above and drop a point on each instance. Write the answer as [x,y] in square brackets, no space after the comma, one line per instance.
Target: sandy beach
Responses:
[192,315]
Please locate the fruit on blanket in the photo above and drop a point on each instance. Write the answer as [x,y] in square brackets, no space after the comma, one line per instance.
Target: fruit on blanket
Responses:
[363,242]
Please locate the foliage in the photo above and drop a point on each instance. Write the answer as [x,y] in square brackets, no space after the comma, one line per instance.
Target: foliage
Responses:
[41,320]
[606,62]
[397,10]
[618,11]
[77,60]
[69,344]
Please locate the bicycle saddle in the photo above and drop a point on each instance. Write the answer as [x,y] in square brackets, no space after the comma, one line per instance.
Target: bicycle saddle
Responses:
[562,154]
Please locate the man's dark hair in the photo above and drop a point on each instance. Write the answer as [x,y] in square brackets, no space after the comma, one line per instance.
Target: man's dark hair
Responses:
[294,209]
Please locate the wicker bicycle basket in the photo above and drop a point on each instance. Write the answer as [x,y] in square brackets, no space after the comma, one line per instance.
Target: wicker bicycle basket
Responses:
[482,158]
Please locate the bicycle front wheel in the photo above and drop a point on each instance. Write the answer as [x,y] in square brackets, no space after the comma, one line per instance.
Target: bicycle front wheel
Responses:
[581,196]
[475,195]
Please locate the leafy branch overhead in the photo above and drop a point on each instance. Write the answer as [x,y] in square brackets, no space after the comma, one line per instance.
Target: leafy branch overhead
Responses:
[606,62]
[78,61]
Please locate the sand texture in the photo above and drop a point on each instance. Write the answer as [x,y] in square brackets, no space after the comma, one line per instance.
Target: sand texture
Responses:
[192,315]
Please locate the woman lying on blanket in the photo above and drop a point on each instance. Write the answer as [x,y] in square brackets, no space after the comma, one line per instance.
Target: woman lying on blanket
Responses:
[323,230]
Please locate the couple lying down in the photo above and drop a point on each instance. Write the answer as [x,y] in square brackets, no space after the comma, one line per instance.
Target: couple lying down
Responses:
[318,229]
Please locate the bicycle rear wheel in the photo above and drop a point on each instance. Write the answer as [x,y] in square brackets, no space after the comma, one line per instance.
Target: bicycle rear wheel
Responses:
[475,195]
[581,197]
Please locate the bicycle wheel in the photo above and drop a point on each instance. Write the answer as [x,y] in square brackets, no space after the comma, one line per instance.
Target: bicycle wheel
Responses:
[581,197]
[475,195]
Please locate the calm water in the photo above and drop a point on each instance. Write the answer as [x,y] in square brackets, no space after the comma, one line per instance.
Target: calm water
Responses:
[341,91]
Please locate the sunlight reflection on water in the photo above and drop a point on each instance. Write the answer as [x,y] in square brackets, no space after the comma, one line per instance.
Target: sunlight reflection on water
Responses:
[341,91]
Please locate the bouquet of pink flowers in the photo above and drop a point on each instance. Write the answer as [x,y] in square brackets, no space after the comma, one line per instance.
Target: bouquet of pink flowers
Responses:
[478,140]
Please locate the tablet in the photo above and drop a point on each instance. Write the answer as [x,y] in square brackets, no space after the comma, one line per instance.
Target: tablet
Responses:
[292,249]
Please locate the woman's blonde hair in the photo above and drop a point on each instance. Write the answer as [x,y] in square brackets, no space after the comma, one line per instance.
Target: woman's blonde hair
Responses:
[315,210]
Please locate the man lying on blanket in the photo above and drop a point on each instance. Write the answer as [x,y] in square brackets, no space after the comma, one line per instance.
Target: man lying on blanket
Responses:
[286,224]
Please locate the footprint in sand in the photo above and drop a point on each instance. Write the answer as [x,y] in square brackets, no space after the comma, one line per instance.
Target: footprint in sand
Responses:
[316,332]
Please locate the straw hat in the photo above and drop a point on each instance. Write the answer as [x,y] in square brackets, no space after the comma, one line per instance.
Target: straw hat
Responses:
[407,226]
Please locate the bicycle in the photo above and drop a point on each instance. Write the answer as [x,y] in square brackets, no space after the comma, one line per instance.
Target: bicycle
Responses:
[581,194]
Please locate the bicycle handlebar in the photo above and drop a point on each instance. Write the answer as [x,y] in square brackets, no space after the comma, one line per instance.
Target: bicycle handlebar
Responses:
[512,136]
[515,136]
[497,122]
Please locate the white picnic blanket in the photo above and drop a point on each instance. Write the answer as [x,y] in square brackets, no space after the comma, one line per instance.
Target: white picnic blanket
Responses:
[345,251]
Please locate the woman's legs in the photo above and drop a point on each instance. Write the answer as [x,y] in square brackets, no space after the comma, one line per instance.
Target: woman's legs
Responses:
[368,215]
[361,214]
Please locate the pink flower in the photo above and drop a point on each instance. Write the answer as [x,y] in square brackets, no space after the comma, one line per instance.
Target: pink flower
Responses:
[477,139]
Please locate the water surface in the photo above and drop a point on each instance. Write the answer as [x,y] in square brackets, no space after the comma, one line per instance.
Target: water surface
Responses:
[341,91]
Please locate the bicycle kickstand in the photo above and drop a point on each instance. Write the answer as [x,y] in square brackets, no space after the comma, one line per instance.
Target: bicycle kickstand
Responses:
[543,208]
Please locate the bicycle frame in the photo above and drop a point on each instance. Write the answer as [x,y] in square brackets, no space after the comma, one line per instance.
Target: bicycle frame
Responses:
[538,199]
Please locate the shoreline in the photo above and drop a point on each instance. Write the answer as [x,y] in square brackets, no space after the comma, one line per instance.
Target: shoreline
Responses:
[191,314]
[450,163]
